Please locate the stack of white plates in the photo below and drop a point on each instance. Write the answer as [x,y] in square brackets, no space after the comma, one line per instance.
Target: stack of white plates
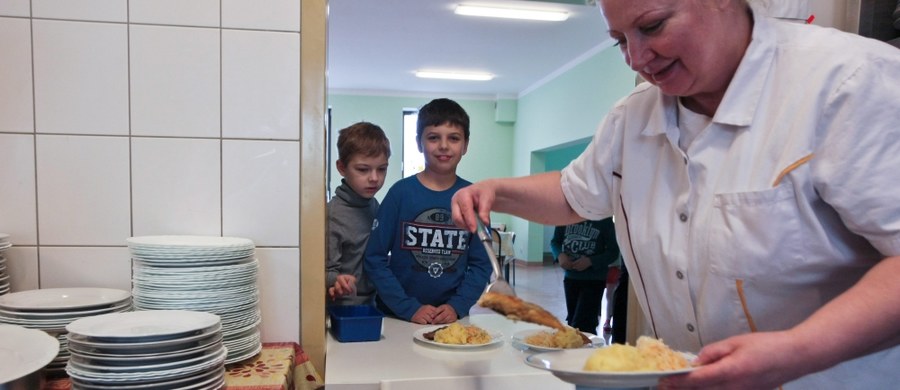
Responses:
[51,309]
[201,273]
[165,349]
[4,276]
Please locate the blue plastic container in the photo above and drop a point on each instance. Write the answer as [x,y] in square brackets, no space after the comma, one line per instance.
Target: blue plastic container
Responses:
[355,323]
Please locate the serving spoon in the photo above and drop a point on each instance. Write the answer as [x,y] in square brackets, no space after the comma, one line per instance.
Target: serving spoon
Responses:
[499,285]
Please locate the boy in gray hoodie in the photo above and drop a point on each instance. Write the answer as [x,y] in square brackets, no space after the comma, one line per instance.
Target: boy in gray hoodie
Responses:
[363,152]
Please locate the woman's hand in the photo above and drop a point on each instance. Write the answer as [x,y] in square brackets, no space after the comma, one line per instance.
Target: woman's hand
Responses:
[470,202]
[749,361]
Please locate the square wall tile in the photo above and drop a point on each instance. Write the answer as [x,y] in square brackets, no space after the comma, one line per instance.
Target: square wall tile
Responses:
[178,12]
[260,191]
[80,77]
[260,84]
[94,10]
[83,190]
[175,186]
[279,293]
[22,268]
[16,113]
[18,213]
[15,8]
[175,81]
[63,267]
[283,15]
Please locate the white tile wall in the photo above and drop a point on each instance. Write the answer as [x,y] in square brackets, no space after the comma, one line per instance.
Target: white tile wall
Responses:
[94,10]
[16,106]
[80,77]
[156,134]
[83,196]
[279,286]
[261,15]
[175,81]
[176,186]
[175,12]
[260,84]
[85,267]
[15,8]
[260,186]
[18,204]
[22,266]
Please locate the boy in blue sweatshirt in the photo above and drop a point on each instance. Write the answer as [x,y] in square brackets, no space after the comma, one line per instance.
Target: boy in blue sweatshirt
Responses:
[424,268]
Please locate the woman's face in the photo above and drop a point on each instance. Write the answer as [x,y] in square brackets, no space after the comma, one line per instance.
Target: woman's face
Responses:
[682,46]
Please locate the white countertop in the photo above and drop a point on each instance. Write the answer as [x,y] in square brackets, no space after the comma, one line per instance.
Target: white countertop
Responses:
[398,362]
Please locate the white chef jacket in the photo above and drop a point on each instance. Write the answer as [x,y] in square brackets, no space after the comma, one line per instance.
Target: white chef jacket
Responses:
[784,202]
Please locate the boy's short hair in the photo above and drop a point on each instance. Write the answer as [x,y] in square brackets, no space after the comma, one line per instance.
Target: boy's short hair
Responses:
[440,111]
[362,138]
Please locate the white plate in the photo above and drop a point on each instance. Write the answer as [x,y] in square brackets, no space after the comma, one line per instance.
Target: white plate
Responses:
[181,242]
[24,351]
[62,299]
[520,336]
[496,338]
[567,365]
[139,326]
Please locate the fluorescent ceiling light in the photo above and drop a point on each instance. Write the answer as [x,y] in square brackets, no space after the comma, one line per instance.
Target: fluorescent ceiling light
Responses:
[454,75]
[511,13]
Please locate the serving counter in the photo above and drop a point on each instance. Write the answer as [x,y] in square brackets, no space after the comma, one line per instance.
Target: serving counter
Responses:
[399,362]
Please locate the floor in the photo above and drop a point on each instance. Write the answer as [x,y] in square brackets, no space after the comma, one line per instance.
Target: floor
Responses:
[542,285]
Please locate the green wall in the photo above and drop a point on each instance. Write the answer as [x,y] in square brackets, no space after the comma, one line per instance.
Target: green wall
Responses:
[565,111]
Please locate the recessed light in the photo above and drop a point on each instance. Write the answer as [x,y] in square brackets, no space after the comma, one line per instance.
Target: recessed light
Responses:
[454,75]
[512,13]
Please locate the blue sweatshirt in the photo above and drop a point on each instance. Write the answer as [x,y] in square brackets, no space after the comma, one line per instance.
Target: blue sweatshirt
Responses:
[417,256]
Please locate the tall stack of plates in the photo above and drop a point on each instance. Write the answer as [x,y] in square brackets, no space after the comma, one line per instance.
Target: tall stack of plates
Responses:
[201,273]
[164,349]
[4,276]
[52,309]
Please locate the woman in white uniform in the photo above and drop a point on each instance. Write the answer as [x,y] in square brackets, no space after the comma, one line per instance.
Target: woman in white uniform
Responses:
[755,182]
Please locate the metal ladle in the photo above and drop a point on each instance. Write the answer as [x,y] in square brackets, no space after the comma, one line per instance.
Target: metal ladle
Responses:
[499,286]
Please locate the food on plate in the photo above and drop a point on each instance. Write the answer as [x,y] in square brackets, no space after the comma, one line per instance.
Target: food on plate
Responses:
[648,355]
[565,338]
[457,333]
[519,310]
[430,335]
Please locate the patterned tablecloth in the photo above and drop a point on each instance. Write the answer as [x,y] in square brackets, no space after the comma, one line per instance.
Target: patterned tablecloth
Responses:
[280,366]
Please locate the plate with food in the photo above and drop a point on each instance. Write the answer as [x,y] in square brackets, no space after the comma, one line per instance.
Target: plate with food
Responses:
[616,365]
[458,336]
[544,340]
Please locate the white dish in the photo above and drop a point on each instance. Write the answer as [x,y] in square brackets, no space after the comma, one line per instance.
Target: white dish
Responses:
[419,335]
[139,326]
[520,336]
[62,299]
[567,365]
[24,351]
[188,241]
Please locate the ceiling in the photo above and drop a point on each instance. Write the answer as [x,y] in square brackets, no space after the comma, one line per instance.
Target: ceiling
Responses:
[375,46]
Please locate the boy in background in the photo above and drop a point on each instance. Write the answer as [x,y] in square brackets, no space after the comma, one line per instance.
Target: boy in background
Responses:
[363,152]
[585,251]
[424,268]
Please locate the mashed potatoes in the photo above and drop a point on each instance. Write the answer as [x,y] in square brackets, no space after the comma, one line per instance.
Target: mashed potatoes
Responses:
[649,355]
[457,333]
[568,338]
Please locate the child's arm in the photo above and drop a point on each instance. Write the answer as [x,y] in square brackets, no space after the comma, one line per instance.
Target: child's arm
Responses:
[376,262]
